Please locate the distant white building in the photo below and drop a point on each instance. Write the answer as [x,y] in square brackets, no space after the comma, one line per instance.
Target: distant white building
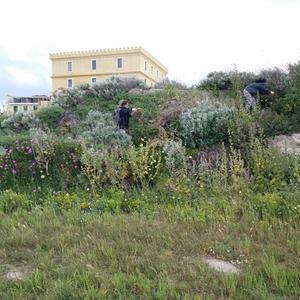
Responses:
[24,104]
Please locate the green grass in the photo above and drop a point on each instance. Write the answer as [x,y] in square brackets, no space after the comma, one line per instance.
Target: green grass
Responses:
[73,255]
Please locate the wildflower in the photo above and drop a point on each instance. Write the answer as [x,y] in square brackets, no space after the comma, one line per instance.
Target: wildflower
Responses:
[43,176]
[88,189]
[14,171]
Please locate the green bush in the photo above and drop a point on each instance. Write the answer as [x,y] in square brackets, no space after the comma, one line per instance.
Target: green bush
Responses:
[64,200]
[170,83]
[280,205]
[271,170]
[11,140]
[11,201]
[278,80]
[291,103]
[206,124]
[49,115]
[216,81]
[272,123]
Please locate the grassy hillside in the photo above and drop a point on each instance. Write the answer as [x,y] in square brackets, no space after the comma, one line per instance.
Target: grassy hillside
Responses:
[91,212]
[86,256]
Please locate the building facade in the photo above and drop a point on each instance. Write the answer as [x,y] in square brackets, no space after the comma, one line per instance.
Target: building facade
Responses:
[74,68]
[24,104]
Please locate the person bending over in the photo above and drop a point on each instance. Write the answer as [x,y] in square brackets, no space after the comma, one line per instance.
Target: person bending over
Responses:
[252,92]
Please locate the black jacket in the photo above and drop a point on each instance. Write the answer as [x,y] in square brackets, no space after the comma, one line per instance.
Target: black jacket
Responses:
[257,88]
[124,115]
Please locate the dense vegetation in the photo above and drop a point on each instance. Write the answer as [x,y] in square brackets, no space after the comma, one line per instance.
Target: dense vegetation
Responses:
[92,212]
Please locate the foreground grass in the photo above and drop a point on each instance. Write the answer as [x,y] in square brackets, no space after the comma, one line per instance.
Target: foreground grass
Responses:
[86,256]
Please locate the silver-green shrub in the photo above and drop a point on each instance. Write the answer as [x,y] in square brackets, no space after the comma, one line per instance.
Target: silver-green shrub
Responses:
[175,157]
[95,117]
[68,98]
[206,124]
[106,89]
[102,130]
[20,121]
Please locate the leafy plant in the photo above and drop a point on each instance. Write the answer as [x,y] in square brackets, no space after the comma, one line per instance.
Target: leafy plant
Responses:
[49,115]
[11,201]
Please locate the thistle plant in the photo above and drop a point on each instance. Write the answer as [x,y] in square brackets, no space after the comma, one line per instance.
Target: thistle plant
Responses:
[43,147]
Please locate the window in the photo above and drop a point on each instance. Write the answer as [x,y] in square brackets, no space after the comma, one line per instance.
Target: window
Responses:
[70,83]
[120,63]
[69,66]
[145,81]
[145,66]
[15,109]
[35,107]
[157,74]
[25,108]
[151,69]
[94,64]
[94,79]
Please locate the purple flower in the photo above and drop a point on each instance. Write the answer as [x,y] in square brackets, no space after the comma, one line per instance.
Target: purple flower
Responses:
[14,171]
[29,151]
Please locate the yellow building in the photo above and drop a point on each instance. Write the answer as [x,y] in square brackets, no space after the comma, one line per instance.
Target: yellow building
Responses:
[24,104]
[74,68]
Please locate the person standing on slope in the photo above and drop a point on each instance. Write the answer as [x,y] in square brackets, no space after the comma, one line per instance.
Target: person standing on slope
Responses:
[122,114]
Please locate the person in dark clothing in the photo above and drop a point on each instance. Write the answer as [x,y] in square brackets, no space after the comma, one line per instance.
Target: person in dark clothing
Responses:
[253,90]
[122,114]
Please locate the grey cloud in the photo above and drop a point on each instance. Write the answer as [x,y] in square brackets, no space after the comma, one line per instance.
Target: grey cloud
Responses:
[8,84]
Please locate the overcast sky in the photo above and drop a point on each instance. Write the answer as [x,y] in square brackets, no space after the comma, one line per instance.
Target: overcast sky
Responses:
[191,37]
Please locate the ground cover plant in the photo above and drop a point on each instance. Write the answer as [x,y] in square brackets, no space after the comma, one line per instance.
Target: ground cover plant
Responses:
[91,212]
